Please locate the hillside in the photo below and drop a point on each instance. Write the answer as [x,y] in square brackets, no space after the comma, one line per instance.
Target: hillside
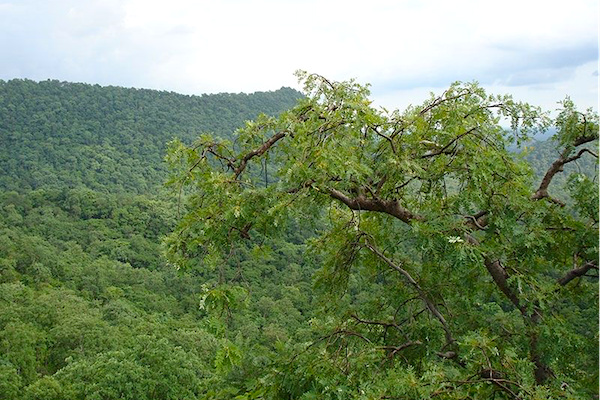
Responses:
[58,134]
[83,284]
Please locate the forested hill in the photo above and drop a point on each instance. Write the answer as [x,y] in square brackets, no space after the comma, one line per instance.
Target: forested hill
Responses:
[90,307]
[56,134]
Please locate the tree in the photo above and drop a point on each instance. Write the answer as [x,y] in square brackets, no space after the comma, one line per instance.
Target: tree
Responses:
[460,274]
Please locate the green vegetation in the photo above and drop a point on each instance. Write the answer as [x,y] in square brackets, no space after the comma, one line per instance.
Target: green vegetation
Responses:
[111,139]
[88,306]
[451,272]
[333,252]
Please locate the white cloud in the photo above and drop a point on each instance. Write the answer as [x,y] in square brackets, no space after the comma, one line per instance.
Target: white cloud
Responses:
[406,47]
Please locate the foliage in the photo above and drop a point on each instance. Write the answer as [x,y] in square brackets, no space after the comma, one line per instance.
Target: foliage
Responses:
[58,134]
[280,291]
[451,271]
[85,293]
[84,289]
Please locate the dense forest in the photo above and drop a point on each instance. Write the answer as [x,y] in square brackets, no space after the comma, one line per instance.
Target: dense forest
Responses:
[57,134]
[114,285]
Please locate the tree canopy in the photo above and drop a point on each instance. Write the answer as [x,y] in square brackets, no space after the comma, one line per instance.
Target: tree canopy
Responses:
[452,271]
[112,139]
[88,306]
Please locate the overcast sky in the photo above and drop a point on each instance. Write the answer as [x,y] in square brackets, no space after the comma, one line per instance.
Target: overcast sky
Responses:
[539,51]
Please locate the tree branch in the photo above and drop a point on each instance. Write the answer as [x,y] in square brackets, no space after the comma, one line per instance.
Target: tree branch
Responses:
[346,332]
[379,323]
[258,152]
[394,349]
[577,272]
[557,166]
[391,207]
[212,151]
[443,99]
[430,305]
[500,277]
[477,221]
[443,149]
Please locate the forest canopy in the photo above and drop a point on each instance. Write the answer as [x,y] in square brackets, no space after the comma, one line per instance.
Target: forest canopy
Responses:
[57,134]
[308,245]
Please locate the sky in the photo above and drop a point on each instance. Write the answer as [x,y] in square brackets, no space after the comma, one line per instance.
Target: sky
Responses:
[538,51]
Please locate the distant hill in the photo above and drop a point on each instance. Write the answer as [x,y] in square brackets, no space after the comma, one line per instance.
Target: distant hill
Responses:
[112,139]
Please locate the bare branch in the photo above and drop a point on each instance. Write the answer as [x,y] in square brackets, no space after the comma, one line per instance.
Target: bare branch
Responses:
[388,138]
[380,184]
[500,276]
[477,221]
[584,139]
[579,154]
[229,161]
[397,188]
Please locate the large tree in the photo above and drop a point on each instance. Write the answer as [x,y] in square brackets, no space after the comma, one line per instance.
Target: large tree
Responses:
[460,274]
